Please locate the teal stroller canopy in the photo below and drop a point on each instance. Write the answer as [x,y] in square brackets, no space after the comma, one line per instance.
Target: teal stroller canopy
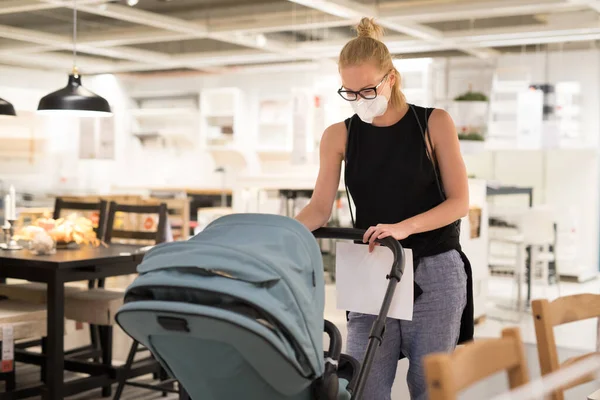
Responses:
[236,312]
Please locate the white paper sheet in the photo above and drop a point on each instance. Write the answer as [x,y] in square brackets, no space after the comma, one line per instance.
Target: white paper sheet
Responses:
[361,280]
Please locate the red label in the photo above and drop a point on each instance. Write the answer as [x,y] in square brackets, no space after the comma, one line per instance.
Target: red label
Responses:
[7,365]
[95,218]
[148,223]
[78,326]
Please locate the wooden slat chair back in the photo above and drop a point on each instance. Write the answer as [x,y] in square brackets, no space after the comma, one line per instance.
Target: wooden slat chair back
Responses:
[549,314]
[178,210]
[100,206]
[137,234]
[449,374]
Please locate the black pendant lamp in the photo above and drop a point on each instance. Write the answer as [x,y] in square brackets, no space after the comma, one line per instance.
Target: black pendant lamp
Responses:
[74,99]
[6,108]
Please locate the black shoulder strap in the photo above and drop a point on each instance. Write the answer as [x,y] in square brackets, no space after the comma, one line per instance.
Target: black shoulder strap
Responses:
[345,168]
[427,139]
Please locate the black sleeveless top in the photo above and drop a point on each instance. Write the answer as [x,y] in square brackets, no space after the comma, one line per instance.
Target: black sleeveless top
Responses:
[391,177]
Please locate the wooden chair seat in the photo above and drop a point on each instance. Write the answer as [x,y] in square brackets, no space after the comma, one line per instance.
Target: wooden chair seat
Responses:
[32,292]
[93,306]
[28,320]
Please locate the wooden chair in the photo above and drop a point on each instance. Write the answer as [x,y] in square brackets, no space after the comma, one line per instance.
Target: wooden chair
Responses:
[98,306]
[100,207]
[561,311]
[449,374]
[28,321]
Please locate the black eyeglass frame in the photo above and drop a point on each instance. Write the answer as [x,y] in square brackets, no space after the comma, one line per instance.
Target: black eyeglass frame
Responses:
[341,91]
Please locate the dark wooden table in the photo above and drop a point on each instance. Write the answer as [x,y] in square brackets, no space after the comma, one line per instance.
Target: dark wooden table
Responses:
[86,263]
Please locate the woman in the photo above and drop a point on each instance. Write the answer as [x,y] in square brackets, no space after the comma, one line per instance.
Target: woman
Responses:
[405,173]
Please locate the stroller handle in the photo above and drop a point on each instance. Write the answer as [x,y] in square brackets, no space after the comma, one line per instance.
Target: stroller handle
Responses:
[357,234]
[378,329]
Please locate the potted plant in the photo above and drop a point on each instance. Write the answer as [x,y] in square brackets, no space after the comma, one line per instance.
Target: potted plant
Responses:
[471,140]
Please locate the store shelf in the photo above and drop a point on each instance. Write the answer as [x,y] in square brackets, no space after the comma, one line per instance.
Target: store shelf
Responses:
[163,112]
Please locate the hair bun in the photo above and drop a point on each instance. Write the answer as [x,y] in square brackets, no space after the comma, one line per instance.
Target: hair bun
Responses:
[367,27]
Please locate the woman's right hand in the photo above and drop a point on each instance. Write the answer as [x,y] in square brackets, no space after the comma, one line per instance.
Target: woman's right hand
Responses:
[331,154]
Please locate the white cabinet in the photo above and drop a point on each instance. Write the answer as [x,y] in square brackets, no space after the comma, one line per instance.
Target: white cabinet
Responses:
[275,124]
[475,246]
[169,119]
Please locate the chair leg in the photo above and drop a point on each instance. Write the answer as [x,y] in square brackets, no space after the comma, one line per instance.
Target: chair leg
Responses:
[163,376]
[106,340]
[44,344]
[125,371]
[95,340]
[11,381]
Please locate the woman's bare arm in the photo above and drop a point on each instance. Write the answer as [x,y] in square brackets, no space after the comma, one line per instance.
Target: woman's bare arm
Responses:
[453,176]
[331,152]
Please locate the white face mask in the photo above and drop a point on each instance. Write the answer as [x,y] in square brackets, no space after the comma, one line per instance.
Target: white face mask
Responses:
[367,110]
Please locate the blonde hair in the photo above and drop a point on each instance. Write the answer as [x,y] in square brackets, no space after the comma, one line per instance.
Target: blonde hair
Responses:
[368,47]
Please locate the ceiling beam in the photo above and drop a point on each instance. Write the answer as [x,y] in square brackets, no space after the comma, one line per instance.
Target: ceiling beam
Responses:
[593,4]
[396,44]
[352,9]
[193,29]
[440,11]
[65,43]
[21,6]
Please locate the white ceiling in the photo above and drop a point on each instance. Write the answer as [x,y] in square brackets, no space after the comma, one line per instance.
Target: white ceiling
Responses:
[216,35]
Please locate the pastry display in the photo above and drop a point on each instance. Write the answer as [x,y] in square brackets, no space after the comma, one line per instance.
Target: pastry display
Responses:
[64,231]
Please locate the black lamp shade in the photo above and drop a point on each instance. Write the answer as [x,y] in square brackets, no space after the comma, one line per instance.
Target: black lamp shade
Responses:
[75,99]
[6,108]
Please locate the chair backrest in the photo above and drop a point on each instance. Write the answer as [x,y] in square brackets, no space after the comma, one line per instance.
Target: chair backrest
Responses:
[100,206]
[156,237]
[449,374]
[561,311]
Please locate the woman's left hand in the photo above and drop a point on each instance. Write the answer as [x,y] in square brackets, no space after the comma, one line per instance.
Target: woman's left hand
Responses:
[398,231]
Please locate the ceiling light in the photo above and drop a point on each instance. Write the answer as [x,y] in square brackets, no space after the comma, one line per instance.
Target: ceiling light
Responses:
[6,108]
[132,2]
[74,99]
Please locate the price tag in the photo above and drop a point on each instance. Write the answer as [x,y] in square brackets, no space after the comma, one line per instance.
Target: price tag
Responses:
[8,348]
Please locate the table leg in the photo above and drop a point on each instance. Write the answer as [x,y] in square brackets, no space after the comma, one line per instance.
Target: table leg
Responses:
[55,339]
[520,272]
[106,335]
[529,269]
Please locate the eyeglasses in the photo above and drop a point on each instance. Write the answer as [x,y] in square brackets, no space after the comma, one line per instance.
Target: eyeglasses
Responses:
[366,93]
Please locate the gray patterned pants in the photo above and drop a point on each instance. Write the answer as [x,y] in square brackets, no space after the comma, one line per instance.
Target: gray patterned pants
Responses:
[435,327]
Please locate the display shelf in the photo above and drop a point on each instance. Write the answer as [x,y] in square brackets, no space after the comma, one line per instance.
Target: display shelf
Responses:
[165,112]
[170,119]
[220,114]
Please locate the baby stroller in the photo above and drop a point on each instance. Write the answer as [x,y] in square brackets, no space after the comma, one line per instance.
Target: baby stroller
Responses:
[236,312]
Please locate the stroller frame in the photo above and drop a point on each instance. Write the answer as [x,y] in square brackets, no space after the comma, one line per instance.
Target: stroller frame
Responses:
[378,329]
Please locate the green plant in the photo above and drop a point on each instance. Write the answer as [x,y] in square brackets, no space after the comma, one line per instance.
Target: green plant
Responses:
[474,136]
[471,96]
